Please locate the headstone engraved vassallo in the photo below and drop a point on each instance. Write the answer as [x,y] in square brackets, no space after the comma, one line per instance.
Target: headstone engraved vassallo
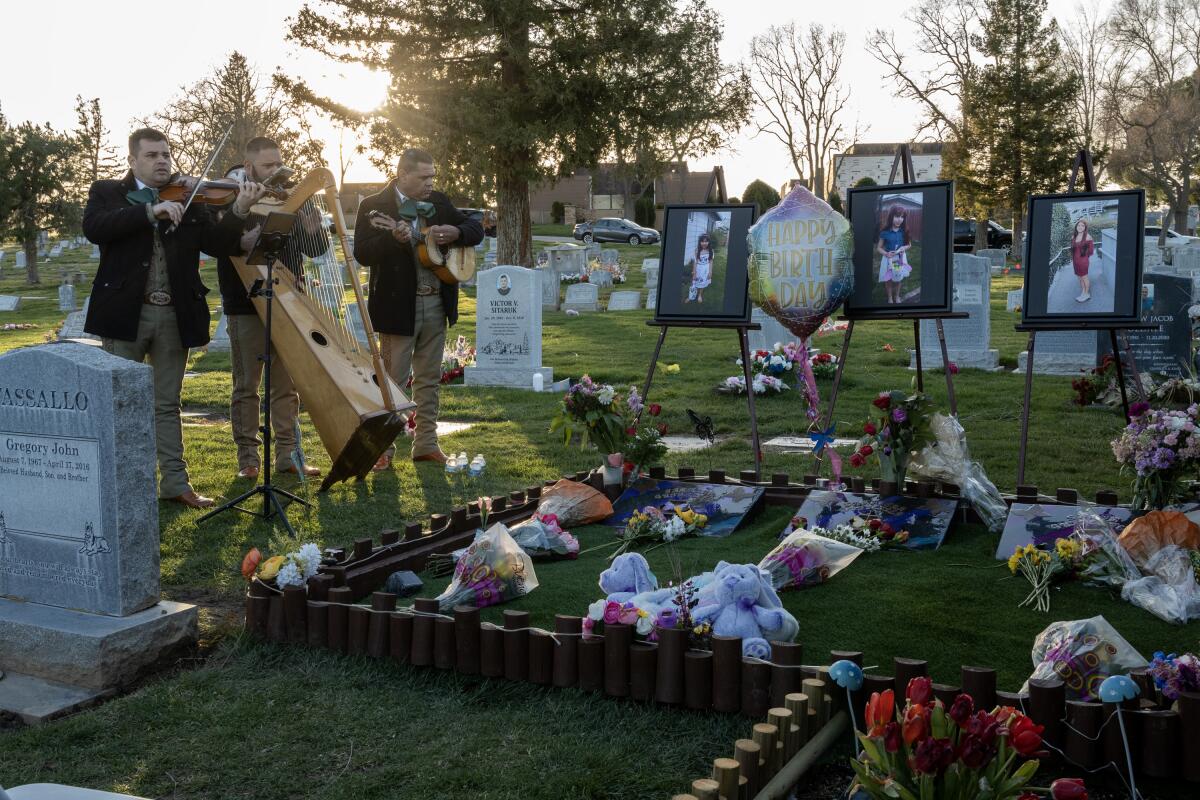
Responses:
[1166,350]
[968,341]
[79,538]
[582,297]
[508,329]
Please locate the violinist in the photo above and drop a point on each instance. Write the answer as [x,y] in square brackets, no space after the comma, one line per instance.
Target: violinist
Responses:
[147,300]
[247,336]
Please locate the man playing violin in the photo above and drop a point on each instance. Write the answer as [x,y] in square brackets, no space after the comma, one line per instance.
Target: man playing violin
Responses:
[408,305]
[247,336]
[147,299]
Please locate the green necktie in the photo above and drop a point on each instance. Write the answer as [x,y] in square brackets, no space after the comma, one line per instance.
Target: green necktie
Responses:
[411,209]
[147,194]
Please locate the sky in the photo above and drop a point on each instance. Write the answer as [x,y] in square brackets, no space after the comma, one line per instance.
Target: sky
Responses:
[79,50]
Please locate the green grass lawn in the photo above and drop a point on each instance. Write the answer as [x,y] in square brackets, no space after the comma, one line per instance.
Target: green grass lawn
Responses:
[246,720]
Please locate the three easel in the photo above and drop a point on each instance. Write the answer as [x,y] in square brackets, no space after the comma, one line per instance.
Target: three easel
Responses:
[1116,330]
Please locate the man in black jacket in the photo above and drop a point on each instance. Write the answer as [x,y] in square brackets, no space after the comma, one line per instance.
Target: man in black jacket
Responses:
[247,335]
[147,299]
[409,306]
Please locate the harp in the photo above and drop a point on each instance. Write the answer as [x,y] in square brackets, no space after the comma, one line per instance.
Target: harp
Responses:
[355,407]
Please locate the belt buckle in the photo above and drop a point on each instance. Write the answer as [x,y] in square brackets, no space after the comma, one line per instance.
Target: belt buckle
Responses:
[158,298]
[426,291]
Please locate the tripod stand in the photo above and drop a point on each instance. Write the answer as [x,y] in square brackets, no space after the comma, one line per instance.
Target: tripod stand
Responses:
[274,237]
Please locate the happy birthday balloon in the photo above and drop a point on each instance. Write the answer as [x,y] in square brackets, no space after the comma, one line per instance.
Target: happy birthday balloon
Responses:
[800,262]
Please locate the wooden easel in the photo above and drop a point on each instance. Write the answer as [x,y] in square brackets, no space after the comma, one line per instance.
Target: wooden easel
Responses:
[743,340]
[1083,163]
[903,163]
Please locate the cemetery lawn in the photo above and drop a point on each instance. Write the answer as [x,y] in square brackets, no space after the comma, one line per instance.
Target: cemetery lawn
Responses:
[245,720]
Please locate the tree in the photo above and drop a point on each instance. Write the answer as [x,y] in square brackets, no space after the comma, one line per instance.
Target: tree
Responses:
[1155,98]
[835,202]
[865,180]
[38,171]
[762,194]
[234,95]
[97,158]
[505,93]
[1023,91]
[1090,55]
[799,87]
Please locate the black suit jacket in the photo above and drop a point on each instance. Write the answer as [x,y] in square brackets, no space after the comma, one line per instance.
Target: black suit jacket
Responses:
[235,295]
[126,238]
[392,303]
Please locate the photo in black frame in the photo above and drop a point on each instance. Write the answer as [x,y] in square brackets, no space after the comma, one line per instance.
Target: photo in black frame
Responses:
[703,273]
[1083,259]
[903,246]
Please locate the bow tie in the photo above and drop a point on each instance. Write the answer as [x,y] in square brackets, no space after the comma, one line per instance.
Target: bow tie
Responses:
[147,194]
[411,209]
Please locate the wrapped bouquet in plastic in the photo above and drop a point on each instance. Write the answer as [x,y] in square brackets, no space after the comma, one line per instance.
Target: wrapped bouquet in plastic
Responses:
[573,504]
[806,559]
[1082,653]
[947,459]
[492,570]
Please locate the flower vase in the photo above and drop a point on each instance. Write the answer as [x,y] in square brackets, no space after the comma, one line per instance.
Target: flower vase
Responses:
[614,470]
[893,469]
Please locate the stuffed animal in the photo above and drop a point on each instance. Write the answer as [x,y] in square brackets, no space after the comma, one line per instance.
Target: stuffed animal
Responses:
[630,581]
[738,601]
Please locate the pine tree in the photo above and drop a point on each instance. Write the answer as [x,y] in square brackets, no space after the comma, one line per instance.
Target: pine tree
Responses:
[38,172]
[762,194]
[97,159]
[1020,109]
[505,92]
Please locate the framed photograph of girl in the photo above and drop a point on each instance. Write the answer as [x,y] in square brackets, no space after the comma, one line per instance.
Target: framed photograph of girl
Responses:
[1083,259]
[902,249]
[704,262]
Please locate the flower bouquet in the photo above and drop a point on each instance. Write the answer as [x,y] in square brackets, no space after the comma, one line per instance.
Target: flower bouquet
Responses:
[456,358]
[1040,568]
[599,414]
[540,537]
[1082,653]
[806,558]
[824,365]
[292,569]
[931,752]
[903,426]
[659,525]
[1174,674]
[763,385]
[1161,447]
[493,569]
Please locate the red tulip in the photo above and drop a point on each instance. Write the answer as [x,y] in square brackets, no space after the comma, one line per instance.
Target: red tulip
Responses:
[1068,789]
[856,460]
[867,450]
[974,753]
[920,691]
[870,429]
[1028,796]
[984,726]
[915,726]
[932,756]
[881,709]
[655,409]
[662,428]
[250,563]
[960,709]
[874,524]
[891,737]
[883,401]
[1025,736]
[631,431]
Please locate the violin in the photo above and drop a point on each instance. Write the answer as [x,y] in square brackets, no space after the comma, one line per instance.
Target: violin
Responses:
[217,193]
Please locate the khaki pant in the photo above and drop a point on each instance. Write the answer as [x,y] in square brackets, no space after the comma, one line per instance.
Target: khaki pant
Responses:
[420,354]
[158,340]
[247,336]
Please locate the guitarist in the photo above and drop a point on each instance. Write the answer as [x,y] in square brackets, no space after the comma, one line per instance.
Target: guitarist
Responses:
[409,306]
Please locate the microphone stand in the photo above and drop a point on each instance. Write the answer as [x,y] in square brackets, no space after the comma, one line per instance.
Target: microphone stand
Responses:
[272,240]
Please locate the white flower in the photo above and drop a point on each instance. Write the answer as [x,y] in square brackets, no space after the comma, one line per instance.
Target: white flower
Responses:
[606,395]
[307,559]
[644,625]
[674,529]
[288,576]
[596,610]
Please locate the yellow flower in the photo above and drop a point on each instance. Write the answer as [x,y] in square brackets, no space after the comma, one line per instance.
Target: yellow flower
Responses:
[271,567]
[672,368]
[642,613]
[1014,560]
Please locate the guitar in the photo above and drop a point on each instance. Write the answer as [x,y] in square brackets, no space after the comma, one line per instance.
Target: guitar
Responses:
[451,264]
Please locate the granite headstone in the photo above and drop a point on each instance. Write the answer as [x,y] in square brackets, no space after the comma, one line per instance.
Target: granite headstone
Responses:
[551,284]
[624,301]
[582,297]
[771,332]
[1167,349]
[1013,300]
[508,329]
[601,277]
[1061,353]
[567,259]
[19,257]
[610,258]
[219,343]
[66,297]
[10,302]
[968,341]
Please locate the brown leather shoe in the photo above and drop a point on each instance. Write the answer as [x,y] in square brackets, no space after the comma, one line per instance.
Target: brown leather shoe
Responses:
[436,455]
[248,472]
[309,470]
[193,500]
[383,464]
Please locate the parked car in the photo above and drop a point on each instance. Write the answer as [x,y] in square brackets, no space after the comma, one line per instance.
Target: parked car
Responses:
[1173,239]
[998,236]
[613,229]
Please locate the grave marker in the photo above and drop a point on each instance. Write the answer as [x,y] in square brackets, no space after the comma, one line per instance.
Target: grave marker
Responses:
[582,297]
[220,338]
[624,301]
[551,283]
[1167,349]
[10,302]
[968,341]
[508,329]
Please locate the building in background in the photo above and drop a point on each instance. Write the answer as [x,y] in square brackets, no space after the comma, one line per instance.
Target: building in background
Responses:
[599,192]
[874,161]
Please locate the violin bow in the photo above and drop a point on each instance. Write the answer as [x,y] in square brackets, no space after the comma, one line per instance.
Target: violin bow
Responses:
[200,179]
